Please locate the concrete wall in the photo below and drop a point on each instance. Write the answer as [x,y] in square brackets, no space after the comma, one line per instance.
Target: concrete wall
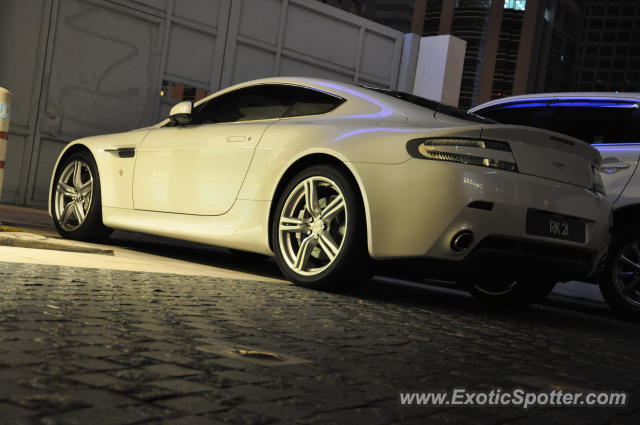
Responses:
[84,67]
[439,69]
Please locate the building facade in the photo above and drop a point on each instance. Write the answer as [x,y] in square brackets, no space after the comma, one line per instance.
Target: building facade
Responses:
[513,46]
[609,52]
[74,73]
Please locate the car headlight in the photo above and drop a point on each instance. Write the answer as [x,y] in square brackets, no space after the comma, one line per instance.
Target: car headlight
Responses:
[485,153]
[598,184]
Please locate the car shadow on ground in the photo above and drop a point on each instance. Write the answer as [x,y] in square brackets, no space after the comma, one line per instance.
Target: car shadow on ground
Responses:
[454,299]
[386,289]
[197,253]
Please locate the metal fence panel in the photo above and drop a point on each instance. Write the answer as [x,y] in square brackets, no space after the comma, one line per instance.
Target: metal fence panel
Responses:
[306,37]
[99,64]
[21,71]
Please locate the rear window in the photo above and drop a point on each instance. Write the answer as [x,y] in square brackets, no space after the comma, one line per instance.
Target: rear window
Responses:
[452,111]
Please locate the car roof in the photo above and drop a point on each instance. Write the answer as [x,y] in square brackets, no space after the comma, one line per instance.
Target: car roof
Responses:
[387,100]
[630,96]
[337,88]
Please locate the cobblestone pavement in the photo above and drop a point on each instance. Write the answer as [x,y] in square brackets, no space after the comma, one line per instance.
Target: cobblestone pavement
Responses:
[81,346]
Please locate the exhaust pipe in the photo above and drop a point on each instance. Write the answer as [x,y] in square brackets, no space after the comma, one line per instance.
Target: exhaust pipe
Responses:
[462,240]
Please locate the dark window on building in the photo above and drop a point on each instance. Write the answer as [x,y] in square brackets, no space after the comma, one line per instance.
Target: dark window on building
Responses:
[619,63]
[626,24]
[606,50]
[611,24]
[604,63]
[621,50]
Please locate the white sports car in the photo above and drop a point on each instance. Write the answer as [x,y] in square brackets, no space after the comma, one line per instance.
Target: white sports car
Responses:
[329,176]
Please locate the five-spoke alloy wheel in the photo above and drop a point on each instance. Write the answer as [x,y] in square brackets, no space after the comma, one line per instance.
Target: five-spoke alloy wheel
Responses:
[75,201]
[319,230]
[73,194]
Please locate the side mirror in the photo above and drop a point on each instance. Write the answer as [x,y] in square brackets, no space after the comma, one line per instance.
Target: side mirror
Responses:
[181,112]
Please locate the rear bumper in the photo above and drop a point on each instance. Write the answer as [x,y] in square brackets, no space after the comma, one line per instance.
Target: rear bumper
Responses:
[498,257]
[416,208]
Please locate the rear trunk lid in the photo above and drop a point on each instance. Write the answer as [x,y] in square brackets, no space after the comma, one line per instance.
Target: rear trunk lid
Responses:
[548,154]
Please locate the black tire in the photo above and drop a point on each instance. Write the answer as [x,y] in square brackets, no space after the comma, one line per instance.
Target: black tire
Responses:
[92,228]
[623,305]
[352,264]
[511,294]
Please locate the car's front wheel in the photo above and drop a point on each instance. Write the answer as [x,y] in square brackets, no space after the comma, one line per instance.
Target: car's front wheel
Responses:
[620,278]
[76,203]
[511,293]
[319,230]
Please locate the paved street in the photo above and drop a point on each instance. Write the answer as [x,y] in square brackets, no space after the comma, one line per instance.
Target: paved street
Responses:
[155,331]
[90,346]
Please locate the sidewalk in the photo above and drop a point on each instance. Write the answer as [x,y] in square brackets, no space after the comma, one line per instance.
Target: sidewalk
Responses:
[138,252]
[39,243]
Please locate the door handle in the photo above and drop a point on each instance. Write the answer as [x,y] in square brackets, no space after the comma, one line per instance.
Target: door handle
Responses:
[236,139]
[619,165]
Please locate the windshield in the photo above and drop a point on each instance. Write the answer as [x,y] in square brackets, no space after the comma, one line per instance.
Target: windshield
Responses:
[441,108]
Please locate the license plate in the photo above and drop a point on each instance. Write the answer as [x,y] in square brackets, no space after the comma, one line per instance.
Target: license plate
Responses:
[540,223]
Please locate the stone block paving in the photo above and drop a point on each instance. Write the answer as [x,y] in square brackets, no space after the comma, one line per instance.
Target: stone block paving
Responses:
[93,347]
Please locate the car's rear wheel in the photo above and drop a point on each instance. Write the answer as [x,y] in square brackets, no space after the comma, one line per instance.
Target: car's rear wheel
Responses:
[319,230]
[510,293]
[620,278]
[76,203]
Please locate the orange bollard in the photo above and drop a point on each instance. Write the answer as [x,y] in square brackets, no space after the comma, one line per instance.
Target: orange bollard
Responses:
[5,114]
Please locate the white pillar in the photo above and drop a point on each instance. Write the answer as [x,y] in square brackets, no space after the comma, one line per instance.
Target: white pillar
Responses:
[5,113]
[439,70]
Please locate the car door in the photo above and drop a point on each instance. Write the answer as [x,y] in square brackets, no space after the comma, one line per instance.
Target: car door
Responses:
[199,168]
[610,127]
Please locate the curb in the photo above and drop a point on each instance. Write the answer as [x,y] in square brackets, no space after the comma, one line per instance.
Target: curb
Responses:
[20,239]
[10,229]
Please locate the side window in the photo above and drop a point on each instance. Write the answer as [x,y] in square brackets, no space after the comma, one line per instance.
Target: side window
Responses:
[250,103]
[311,102]
[594,124]
[266,101]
